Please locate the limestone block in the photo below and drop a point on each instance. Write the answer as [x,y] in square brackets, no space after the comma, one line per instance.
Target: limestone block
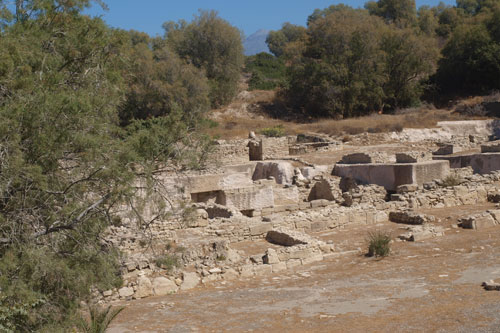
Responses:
[491,147]
[356,158]
[447,149]
[230,274]
[313,258]
[278,267]
[125,292]
[285,195]
[311,172]
[410,217]
[286,237]
[271,257]
[293,263]
[407,188]
[282,172]
[163,286]
[477,221]
[189,281]
[247,271]
[422,232]
[107,293]
[260,229]
[300,254]
[263,270]
[319,203]
[495,213]
[318,226]
[144,287]
[413,157]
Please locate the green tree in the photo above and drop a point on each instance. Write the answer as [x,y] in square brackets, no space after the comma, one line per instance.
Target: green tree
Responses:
[470,62]
[65,164]
[267,71]
[212,44]
[159,81]
[427,20]
[282,42]
[400,12]
[340,71]
[409,60]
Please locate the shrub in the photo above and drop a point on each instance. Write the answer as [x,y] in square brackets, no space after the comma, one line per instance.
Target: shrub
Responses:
[99,319]
[168,261]
[451,180]
[274,132]
[379,244]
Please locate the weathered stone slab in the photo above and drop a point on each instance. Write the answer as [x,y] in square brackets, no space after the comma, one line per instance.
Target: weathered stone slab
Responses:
[189,281]
[491,147]
[477,221]
[287,237]
[409,217]
[163,286]
[413,157]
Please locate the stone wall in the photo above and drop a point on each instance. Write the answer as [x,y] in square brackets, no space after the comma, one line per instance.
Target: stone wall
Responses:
[480,163]
[229,152]
[391,176]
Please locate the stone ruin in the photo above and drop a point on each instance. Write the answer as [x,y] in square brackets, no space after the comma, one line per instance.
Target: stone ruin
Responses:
[260,190]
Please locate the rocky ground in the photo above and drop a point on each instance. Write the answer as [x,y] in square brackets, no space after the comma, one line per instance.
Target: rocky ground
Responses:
[432,285]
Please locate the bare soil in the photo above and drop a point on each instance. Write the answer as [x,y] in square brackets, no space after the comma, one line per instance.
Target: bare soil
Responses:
[428,286]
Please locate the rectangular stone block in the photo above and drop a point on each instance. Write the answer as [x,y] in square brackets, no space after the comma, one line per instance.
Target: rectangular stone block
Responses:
[313,258]
[247,271]
[281,266]
[293,263]
[260,229]
[263,270]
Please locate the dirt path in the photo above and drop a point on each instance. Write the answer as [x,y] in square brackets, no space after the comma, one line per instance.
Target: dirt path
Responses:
[429,286]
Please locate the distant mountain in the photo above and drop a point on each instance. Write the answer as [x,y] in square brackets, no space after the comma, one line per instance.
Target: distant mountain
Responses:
[256,43]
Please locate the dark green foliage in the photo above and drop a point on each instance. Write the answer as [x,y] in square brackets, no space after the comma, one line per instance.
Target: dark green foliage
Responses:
[339,73]
[471,61]
[66,164]
[282,42]
[400,12]
[267,71]
[354,63]
[212,44]
[159,81]
[167,261]
[379,244]
[273,132]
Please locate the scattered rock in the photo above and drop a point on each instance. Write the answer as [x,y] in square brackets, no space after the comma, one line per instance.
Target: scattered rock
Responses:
[189,281]
[163,286]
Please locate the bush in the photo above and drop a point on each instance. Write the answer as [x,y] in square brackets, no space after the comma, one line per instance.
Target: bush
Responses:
[451,180]
[168,261]
[379,244]
[273,132]
[99,319]
[267,71]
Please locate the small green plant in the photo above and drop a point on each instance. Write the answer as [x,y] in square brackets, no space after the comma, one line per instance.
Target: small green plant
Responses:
[379,244]
[451,180]
[168,261]
[273,132]
[99,319]
[221,257]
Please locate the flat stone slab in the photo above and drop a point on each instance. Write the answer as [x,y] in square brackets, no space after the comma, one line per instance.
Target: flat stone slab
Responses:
[491,147]
[287,237]
[410,218]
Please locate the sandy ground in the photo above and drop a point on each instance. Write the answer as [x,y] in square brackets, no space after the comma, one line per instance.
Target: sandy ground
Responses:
[428,286]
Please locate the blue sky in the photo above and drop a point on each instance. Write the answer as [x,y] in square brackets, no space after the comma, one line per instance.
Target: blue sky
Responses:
[247,15]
